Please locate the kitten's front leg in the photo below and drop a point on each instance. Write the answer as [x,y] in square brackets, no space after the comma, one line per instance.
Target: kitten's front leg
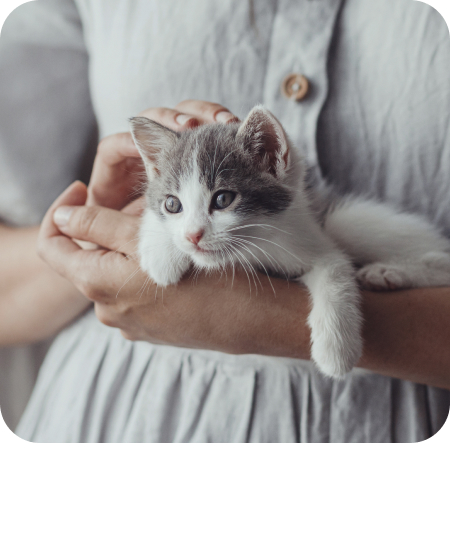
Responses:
[335,319]
[158,256]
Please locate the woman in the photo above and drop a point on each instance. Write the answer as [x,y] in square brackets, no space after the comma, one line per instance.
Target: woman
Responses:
[367,123]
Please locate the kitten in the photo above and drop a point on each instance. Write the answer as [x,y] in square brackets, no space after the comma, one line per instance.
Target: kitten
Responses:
[222,195]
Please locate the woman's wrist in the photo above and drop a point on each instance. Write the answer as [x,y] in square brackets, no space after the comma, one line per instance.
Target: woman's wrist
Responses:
[272,322]
[35,302]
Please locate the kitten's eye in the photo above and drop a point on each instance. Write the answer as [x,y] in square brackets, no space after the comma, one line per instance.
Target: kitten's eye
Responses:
[223,199]
[173,205]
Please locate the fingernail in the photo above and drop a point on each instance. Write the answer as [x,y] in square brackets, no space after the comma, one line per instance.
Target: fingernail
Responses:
[225,116]
[61,216]
[182,120]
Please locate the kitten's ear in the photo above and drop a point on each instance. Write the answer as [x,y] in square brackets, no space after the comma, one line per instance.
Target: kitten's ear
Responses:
[151,139]
[263,136]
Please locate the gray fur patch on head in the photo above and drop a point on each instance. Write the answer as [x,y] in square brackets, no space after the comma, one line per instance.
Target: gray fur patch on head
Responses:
[225,163]
[223,160]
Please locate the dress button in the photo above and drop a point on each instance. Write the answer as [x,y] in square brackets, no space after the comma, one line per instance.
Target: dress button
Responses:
[295,86]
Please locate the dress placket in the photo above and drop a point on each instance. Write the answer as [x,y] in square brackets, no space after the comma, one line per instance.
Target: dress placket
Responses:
[296,83]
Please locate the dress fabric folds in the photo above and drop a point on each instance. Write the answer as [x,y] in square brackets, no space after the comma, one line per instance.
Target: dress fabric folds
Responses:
[134,392]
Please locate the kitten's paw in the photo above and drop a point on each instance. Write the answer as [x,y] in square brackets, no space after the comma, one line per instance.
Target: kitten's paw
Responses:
[164,273]
[335,318]
[379,276]
[163,279]
[335,356]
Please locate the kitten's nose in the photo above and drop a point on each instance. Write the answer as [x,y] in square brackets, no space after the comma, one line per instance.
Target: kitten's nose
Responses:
[194,238]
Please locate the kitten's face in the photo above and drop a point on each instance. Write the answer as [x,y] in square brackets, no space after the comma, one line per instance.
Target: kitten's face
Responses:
[206,183]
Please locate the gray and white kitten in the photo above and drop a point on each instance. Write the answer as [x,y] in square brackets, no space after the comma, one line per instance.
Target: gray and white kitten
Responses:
[234,195]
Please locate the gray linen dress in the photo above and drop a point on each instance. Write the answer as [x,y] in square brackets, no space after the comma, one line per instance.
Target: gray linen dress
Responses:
[377,119]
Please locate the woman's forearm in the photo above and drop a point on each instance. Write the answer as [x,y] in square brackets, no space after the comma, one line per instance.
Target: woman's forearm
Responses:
[406,333]
[35,302]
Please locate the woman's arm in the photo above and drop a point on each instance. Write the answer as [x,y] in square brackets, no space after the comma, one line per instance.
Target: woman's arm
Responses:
[407,335]
[35,302]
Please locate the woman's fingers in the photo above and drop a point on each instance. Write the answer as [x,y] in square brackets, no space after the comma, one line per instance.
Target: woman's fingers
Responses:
[98,274]
[74,195]
[135,208]
[108,228]
[171,118]
[189,114]
[116,148]
[52,245]
[117,169]
[206,111]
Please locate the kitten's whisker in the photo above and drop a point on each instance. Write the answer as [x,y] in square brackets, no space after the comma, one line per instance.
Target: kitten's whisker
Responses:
[252,269]
[258,260]
[120,252]
[232,280]
[263,225]
[272,242]
[214,161]
[231,251]
[127,280]
[172,171]
[195,274]
[230,256]
[275,263]
[233,151]
[254,274]
[243,267]
[191,275]
[144,286]
[224,170]
[224,265]
[262,265]
[210,164]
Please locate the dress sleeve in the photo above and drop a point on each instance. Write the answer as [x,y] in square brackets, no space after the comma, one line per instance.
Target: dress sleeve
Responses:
[48,130]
